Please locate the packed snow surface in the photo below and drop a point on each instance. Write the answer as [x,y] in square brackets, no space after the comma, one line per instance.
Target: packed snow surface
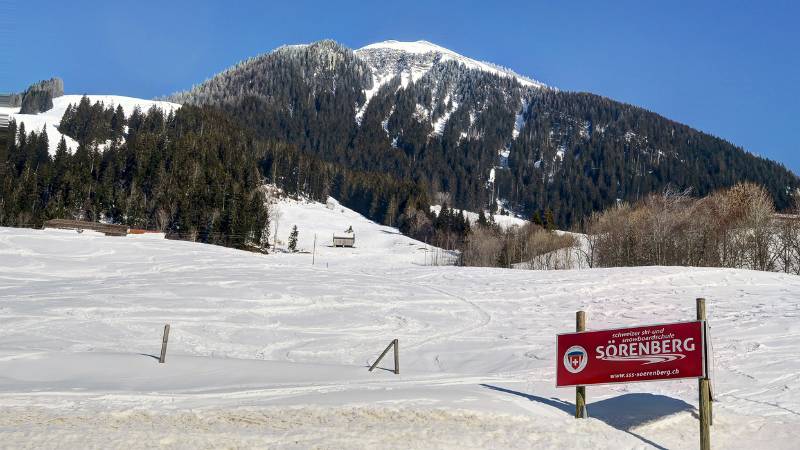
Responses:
[51,119]
[272,351]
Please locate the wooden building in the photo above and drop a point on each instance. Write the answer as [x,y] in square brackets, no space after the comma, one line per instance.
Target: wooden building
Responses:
[344,240]
[80,225]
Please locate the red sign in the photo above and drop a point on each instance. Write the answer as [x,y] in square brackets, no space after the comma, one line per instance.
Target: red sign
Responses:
[655,352]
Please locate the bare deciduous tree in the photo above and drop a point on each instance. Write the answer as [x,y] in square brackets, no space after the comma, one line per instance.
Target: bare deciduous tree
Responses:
[736,227]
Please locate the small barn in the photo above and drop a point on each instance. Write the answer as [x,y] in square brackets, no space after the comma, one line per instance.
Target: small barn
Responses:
[346,239]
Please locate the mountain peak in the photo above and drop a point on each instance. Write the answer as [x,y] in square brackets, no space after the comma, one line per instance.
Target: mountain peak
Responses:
[422,47]
[409,47]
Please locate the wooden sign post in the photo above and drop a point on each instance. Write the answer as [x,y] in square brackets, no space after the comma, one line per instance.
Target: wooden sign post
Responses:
[396,357]
[704,390]
[580,391]
[164,344]
[666,351]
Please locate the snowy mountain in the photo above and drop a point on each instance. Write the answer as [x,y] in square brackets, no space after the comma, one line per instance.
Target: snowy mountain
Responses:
[272,351]
[410,61]
[422,113]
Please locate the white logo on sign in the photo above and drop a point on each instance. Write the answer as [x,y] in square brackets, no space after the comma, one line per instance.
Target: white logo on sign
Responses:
[575,359]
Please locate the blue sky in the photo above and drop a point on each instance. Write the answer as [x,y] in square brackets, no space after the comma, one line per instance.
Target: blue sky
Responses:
[730,68]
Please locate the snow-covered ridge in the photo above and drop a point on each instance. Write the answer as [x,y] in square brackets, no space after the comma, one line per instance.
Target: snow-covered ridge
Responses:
[411,61]
[425,47]
[51,119]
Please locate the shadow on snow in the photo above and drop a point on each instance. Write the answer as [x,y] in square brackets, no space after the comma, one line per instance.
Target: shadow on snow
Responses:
[624,412]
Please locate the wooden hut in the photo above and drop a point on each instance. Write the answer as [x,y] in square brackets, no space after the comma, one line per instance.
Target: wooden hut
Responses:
[344,239]
[80,225]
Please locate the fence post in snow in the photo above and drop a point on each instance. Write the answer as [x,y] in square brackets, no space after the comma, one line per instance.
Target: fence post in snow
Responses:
[396,357]
[580,391]
[704,388]
[385,351]
[705,357]
[164,344]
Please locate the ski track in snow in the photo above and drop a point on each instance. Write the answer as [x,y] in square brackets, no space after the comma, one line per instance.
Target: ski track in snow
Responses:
[484,319]
[267,350]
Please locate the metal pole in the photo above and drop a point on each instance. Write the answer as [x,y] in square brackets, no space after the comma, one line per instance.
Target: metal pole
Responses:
[580,391]
[314,254]
[704,394]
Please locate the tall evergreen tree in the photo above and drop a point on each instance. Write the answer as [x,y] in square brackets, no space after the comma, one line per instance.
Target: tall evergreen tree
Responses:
[293,239]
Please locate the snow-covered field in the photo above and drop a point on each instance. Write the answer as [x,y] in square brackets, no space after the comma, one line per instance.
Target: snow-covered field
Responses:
[51,119]
[270,351]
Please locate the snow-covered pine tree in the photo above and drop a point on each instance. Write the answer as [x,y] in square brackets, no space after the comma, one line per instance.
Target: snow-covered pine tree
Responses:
[293,239]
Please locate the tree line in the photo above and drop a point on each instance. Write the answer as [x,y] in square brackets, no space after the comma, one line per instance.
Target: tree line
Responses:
[190,175]
[194,174]
[735,227]
[198,174]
